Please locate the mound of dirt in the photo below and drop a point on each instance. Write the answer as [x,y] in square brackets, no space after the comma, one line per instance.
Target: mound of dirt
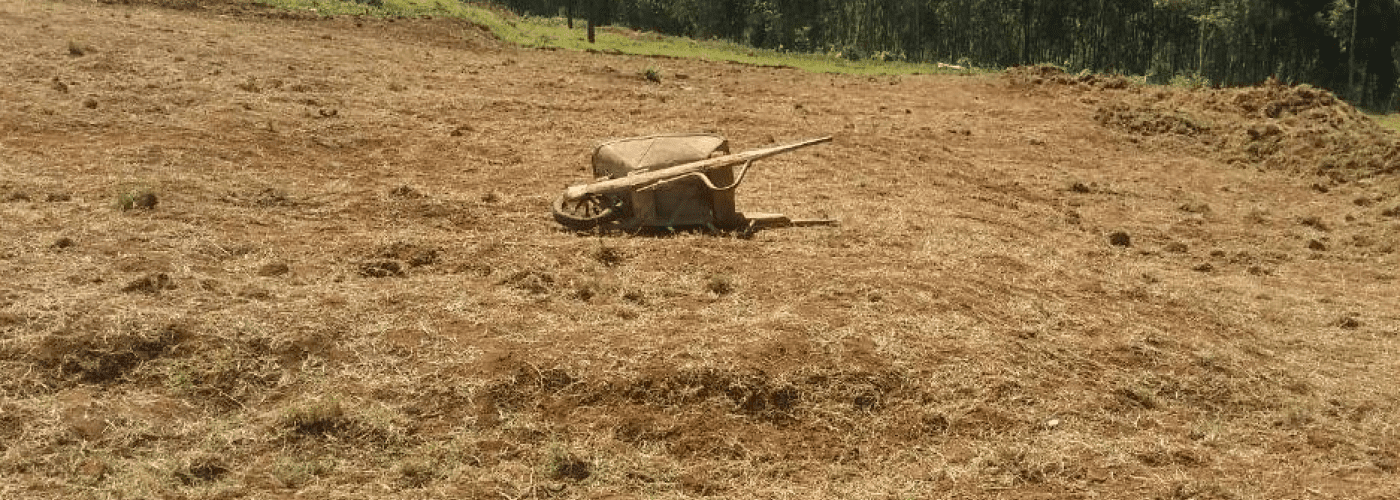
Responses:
[715,405]
[1051,75]
[1297,129]
[1149,120]
[85,359]
[1273,125]
[1273,99]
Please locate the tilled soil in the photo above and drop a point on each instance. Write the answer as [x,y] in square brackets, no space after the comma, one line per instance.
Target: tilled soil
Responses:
[248,253]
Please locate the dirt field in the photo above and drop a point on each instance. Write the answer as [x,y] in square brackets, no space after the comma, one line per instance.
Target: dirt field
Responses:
[253,255]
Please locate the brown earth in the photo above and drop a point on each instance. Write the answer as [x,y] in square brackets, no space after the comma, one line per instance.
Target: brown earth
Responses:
[252,254]
[1300,129]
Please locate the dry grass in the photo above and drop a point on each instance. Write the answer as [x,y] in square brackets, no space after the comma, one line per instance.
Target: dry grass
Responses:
[350,286]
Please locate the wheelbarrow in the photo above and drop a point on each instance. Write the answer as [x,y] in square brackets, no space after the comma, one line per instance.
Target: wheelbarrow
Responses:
[669,181]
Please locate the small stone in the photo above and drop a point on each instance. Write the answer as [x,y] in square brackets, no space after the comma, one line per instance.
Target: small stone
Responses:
[405,192]
[151,284]
[381,269]
[273,269]
[144,201]
[1195,208]
[1317,246]
[1120,239]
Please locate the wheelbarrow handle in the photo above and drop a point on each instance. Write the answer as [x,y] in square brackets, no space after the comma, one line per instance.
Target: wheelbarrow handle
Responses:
[703,178]
[641,180]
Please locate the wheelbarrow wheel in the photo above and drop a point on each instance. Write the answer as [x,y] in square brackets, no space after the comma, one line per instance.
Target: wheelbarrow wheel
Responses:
[587,212]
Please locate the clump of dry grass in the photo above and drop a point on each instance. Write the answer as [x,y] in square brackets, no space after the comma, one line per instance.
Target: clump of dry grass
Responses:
[316,419]
[720,284]
[297,472]
[78,49]
[136,198]
[202,469]
[563,465]
[416,473]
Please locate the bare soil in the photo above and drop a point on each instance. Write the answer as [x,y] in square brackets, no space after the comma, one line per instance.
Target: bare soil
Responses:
[345,281]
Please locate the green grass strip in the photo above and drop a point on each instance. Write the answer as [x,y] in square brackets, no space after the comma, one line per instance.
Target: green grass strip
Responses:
[553,32]
[1390,121]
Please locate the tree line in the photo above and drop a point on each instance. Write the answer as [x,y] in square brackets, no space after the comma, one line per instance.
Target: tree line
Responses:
[1351,47]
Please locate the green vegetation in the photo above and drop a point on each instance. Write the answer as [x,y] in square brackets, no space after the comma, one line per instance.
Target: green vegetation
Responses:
[1349,47]
[1190,81]
[1390,121]
[553,32]
[501,21]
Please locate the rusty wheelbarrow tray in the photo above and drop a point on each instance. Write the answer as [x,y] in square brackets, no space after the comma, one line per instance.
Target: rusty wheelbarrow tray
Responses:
[667,181]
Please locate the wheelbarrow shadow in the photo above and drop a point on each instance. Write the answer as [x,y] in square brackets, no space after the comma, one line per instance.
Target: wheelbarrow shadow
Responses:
[750,226]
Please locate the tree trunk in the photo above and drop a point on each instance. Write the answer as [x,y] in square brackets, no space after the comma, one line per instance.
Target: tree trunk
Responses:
[1024,58]
[590,29]
[1351,53]
[569,14]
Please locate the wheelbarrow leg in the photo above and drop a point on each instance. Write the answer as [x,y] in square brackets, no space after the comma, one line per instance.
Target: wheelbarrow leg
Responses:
[723,201]
[755,221]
